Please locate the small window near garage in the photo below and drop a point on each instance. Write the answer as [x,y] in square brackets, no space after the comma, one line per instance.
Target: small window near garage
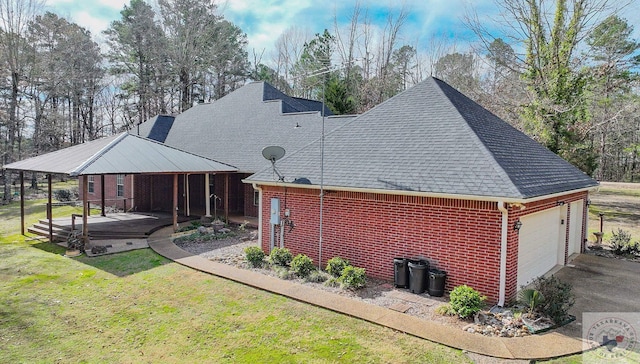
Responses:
[91,182]
[120,185]
[256,198]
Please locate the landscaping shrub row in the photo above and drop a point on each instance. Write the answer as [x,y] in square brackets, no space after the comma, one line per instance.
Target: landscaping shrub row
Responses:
[339,272]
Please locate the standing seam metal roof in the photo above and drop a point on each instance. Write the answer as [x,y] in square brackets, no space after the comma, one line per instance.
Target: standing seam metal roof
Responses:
[120,154]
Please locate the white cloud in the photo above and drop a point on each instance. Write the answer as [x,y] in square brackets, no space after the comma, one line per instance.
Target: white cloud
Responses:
[91,22]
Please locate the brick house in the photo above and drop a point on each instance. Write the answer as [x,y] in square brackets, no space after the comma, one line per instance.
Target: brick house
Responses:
[233,130]
[429,173]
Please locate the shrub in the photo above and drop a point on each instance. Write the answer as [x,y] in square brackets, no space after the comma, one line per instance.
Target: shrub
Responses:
[466,301]
[254,255]
[532,298]
[332,282]
[352,277]
[317,277]
[445,310]
[283,272]
[281,257]
[558,298]
[335,266]
[620,241]
[302,265]
[62,195]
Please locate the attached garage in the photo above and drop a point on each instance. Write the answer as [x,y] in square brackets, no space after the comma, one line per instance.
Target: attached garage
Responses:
[541,244]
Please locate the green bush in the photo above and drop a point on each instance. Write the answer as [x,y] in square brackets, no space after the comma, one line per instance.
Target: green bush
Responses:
[281,257]
[445,310]
[352,277]
[466,301]
[532,298]
[302,265]
[254,255]
[62,195]
[335,266]
[283,272]
[558,298]
[620,242]
[317,277]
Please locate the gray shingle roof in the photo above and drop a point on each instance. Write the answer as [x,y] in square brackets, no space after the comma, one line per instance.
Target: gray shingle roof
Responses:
[120,154]
[235,128]
[433,139]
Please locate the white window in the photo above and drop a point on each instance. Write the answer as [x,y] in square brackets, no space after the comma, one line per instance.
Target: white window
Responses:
[120,185]
[91,181]
[256,198]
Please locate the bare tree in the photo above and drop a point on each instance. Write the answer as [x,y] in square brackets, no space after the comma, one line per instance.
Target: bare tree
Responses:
[15,16]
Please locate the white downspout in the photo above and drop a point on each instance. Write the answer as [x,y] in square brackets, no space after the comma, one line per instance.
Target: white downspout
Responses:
[503,253]
[255,186]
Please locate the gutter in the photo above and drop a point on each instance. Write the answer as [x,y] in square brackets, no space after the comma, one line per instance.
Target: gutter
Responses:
[513,200]
[503,253]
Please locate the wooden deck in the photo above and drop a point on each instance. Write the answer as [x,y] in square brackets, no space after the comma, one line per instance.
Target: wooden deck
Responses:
[115,225]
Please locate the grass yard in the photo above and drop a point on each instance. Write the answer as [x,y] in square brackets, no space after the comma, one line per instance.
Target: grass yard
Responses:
[620,204]
[137,307]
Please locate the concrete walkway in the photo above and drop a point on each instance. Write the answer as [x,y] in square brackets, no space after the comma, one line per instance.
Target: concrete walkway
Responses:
[530,347]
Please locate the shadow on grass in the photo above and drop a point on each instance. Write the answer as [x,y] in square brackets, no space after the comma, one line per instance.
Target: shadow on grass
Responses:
[118,264]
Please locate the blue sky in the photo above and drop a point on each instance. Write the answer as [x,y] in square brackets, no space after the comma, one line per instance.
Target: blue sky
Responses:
[265,20]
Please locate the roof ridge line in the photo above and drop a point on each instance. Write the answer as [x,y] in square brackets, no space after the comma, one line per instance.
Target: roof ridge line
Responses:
[98,154]
[477,140]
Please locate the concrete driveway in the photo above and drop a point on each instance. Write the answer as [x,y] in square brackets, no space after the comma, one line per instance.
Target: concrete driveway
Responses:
[600,285]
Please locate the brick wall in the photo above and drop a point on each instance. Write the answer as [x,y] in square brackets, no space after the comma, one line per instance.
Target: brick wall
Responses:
[458,236]
[110,190]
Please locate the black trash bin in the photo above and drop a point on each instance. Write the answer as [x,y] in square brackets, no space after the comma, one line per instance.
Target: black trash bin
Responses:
[437,280]
[400,272]
[418,275]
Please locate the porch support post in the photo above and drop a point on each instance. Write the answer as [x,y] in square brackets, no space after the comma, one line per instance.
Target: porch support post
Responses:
[102,213]
[85,211]
[226,197]
[22,202]
[187,197]
[49,212]
[175,202]
[207,199]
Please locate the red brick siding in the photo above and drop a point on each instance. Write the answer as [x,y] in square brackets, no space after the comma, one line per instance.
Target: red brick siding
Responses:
[110,192]
[459,236]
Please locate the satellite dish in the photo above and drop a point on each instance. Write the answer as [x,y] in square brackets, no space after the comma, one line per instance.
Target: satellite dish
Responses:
[273,153]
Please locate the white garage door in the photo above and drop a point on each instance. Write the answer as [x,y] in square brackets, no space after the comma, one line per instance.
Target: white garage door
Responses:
[575,227]
[539,245]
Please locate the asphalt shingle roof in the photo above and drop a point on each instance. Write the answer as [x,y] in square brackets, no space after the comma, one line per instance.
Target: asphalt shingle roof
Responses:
[433,139]
[236,128]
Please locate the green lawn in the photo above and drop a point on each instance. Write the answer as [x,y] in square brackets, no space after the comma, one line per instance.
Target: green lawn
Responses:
[137,307]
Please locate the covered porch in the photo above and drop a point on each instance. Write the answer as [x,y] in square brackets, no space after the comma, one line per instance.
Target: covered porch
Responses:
[123,154]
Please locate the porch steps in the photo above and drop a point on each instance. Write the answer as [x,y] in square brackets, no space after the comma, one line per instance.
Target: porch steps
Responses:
[59,234]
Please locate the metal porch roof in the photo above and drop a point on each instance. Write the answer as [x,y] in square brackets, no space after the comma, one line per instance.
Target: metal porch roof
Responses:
[120,154]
